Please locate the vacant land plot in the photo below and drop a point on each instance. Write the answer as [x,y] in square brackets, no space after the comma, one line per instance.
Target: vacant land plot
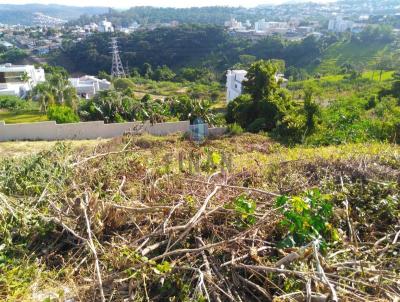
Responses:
[240,218]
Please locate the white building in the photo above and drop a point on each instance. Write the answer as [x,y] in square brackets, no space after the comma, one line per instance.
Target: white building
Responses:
[234,87]
[92,27]
[106,27]
[18,80]
[127,30]
[234,83]
[338,25]
[89,86]
[234,24]
[262,26]
[6,44]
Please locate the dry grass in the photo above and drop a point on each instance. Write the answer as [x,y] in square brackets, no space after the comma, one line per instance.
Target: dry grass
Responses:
[24,148]
[122,222]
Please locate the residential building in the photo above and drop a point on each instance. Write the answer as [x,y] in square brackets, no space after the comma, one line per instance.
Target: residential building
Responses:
[106,27]
[234,83]
[339,25]
[92,27]
[234,87]
[262,26]
[6,44]
[18,80]
[234,24]
[88,86]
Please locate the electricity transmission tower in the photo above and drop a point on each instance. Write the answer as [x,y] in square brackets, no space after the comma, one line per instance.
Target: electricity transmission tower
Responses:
[117,70]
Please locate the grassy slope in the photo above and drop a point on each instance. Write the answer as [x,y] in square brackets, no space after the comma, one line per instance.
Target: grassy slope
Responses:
[21,117]
[348,51]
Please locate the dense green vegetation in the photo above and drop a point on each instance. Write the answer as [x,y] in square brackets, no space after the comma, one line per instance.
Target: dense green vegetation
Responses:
[330,110]
[207,47]
[56,90]
[16,110]
[62,114]
[194,52]
[122,105]
[13,55]
[371,49]
[144,15]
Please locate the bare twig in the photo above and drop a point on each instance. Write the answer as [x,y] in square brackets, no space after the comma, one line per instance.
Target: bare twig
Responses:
[93,249]
[321,272]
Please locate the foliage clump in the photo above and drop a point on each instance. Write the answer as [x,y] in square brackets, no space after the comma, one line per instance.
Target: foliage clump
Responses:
[307,218]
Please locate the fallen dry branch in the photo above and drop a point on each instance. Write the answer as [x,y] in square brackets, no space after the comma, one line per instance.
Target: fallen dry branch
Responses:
[148,233]
[92,247]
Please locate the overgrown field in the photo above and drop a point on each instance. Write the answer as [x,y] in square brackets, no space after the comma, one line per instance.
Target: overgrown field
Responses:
[236,219]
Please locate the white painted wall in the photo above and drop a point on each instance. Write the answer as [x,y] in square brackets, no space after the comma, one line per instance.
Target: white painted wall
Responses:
[86,130]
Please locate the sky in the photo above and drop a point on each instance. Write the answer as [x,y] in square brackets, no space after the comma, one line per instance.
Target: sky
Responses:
[162,3]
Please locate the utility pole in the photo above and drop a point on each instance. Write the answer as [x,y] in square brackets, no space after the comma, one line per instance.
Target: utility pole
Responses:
[117,70]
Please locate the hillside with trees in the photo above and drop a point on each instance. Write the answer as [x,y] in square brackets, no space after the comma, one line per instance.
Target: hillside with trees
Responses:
[186,46]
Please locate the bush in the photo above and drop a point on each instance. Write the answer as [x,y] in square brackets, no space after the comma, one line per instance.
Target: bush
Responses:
[163,74]
[62,114]
[257,126]
[123,84]
[306,217]
[14,103]
[235,129]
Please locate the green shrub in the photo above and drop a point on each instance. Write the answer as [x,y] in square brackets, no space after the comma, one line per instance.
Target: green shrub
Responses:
[306,218]
[15,103]
[235,129]
[62,114]
[258,125]
[123,84]
[246,208]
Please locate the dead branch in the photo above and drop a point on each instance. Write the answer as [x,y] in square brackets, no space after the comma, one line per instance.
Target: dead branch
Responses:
[93,249]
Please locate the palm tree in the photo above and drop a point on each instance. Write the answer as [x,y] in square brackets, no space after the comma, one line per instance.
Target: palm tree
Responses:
[63,91]
[43,94]
[25,77]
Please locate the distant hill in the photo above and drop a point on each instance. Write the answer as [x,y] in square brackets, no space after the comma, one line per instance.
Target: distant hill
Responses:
[24,14]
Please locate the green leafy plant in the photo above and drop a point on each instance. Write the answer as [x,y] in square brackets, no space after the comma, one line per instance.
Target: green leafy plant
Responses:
[306,217]
[62,114]
[235,129]
[246,208]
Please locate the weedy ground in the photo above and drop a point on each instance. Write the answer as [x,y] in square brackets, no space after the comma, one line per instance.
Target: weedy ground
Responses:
[239,218]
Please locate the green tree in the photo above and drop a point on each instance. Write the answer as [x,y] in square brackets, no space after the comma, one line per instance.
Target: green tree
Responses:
[261,82]
[163,74]
[63,91]
[264,104]
[311,109]
[42,93]
[385,62]
[147,71]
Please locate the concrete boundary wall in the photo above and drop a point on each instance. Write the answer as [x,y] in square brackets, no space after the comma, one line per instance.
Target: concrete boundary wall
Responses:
[85,130]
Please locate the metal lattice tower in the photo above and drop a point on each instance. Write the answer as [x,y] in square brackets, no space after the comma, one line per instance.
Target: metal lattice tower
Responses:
[117,70]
